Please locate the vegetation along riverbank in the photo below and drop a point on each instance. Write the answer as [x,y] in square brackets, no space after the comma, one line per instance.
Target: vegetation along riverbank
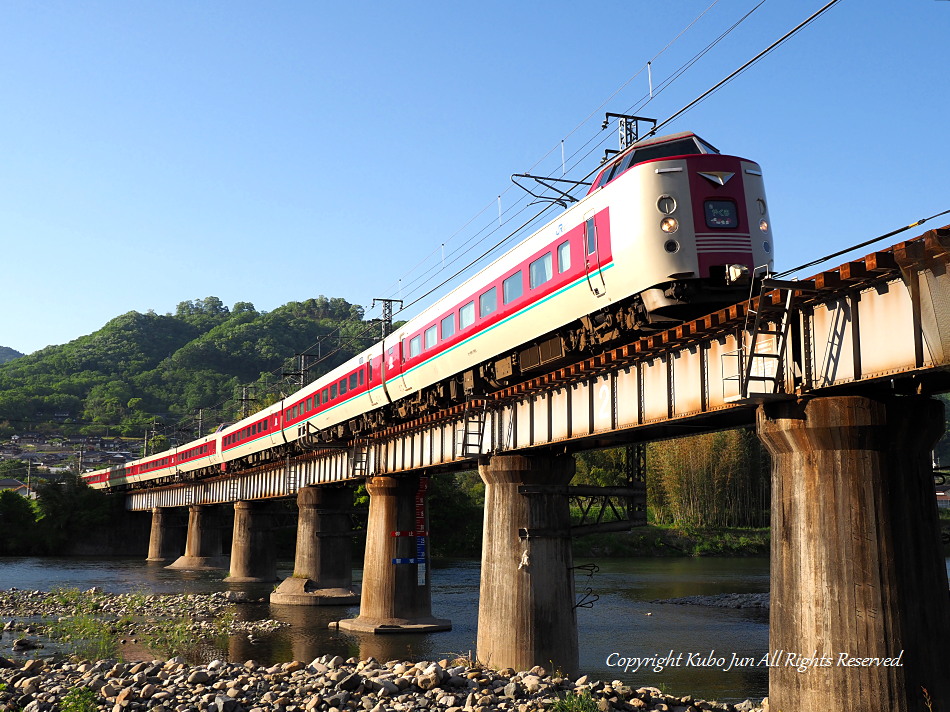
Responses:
[99,676]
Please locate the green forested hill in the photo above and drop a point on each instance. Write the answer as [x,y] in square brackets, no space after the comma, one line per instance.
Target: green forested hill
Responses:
[8,354]
[141,365]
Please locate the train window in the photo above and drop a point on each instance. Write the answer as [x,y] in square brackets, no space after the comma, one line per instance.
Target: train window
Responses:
[415,346]
[448,326]
[326,394]
[353,379]
[590,236]
[721,214]
[369,371]
[309,404]
[706,148]
[513,287]
[540,271]
[600,180]
[333,391]
[342,386]
[564,256]
[467,315]
[488,302]
[682,147]
[361,377]
[431,337]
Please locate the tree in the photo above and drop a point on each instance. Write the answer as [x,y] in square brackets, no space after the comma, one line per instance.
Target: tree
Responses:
[17,524]
[718,479]
[68,511]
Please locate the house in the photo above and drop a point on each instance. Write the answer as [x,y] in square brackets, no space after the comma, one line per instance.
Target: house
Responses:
[8,483]
[943,495]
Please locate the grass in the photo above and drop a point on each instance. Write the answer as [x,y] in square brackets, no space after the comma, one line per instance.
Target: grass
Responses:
[79,699]
[179,637]
[654,540]
[575,703]
[87,636]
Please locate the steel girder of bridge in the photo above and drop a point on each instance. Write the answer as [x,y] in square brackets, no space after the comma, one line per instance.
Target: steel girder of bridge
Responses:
[880,322]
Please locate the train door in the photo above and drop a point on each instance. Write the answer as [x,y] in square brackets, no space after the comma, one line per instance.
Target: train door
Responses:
[592,257]
[393,383]
[403,349]
[374,376]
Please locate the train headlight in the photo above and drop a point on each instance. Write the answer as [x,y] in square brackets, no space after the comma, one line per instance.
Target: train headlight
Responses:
[666,204]
[671,246]
[737,274]
[763,226]
[669,225]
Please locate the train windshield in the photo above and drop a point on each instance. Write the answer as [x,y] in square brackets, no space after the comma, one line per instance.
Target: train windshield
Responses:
[682,147]
[685,146]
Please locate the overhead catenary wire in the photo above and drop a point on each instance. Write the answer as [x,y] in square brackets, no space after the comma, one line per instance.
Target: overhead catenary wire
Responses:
[858,246]
[558,146]
[716,87]
[676,74]
[457,254]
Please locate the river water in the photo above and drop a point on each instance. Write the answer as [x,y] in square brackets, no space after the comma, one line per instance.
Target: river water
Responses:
[621,620]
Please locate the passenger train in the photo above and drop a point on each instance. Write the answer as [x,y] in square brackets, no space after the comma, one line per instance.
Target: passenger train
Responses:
[670,229]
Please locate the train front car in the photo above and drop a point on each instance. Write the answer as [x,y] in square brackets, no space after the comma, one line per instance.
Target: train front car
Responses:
[690,227]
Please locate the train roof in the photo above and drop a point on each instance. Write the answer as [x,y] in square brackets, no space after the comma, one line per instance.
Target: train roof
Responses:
[651,149]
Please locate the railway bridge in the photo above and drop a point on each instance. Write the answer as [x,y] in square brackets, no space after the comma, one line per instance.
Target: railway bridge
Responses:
[835,372]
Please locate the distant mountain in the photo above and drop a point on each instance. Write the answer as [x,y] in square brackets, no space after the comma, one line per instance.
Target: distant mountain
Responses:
[138,366]
[8,354]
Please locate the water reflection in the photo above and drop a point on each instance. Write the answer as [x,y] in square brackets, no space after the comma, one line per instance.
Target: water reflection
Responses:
[622,620]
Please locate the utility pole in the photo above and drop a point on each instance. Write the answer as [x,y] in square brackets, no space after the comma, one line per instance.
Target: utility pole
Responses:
[303,368]
[386,320]
[245,400]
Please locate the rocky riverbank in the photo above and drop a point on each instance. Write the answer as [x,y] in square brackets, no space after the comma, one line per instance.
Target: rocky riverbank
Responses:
[324,685]
[109,623]
[327,684]
[722,600]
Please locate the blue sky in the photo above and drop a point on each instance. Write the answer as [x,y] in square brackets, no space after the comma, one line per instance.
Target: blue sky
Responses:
[154,152]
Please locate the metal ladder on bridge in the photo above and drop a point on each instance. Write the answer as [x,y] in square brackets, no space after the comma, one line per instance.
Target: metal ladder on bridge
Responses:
[770,320]
[234,489]
[290,477]
[473,428]
[358,457]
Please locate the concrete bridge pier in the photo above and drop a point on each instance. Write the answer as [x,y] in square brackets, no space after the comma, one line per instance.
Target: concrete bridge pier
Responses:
[857,571]
[526,613]
[203,546]
[323,562]
[396,595]
[165,541]
[252,545]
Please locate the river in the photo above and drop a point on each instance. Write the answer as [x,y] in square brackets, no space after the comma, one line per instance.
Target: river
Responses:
[621,620]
